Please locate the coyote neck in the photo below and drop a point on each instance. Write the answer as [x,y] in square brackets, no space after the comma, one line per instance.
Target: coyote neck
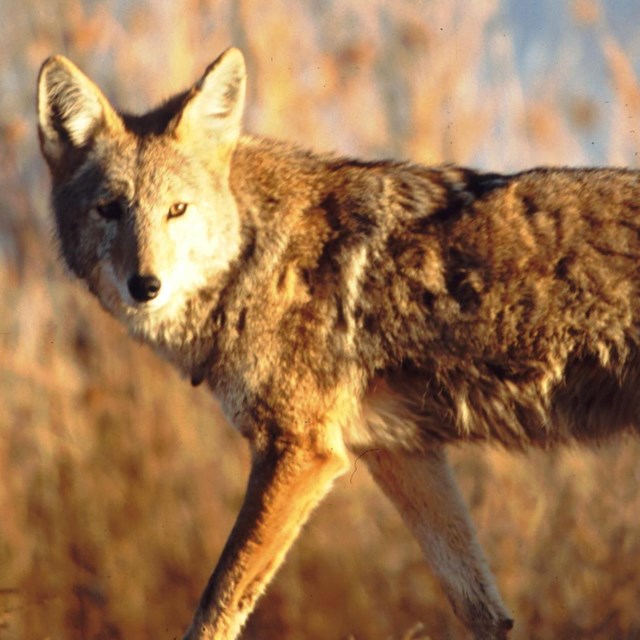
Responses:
[273,178]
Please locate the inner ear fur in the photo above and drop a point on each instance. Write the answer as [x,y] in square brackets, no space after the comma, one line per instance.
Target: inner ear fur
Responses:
[212,111]
[71,109]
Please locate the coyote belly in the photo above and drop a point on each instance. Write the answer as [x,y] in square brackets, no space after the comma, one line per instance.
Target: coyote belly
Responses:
[338,306]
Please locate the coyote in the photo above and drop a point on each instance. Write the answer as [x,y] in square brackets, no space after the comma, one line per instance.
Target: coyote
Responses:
[334,305]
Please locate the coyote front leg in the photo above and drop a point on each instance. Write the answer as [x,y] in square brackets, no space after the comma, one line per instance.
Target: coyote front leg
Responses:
[423,489]
[286,482]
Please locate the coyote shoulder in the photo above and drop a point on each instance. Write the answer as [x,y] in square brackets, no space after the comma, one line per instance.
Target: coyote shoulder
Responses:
[337,306]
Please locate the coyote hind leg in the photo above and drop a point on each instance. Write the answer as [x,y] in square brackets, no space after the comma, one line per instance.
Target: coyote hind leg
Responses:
[424,491]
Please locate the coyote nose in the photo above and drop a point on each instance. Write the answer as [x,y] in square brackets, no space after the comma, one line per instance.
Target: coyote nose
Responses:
[143,288]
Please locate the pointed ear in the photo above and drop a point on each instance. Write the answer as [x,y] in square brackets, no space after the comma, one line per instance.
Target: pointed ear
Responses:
[212,112]
[71,109]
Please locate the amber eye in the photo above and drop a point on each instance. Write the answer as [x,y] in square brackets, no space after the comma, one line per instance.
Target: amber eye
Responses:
[112,210]
[177,209]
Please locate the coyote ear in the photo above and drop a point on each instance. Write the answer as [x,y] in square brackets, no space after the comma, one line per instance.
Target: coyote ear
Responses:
[71,109]
[213,108]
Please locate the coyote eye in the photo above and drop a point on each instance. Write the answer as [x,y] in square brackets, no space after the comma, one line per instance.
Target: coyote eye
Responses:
[177,209]
[110,210]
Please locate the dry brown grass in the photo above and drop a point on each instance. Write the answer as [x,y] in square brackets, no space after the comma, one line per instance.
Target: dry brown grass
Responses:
[120,482]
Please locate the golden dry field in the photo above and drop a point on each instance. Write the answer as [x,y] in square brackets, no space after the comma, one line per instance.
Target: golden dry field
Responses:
[120,482]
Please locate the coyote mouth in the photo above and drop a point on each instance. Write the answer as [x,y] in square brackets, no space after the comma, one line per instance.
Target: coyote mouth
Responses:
[145,306]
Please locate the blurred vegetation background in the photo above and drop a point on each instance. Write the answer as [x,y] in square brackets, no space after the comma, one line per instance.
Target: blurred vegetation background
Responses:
[120,482]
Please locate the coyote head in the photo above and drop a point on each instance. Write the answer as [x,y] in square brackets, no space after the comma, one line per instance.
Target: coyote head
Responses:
[143,207]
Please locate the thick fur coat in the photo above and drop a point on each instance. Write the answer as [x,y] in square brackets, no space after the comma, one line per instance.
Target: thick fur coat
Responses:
[336,305]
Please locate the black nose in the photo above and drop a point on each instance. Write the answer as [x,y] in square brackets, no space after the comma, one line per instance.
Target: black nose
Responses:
[143,288]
